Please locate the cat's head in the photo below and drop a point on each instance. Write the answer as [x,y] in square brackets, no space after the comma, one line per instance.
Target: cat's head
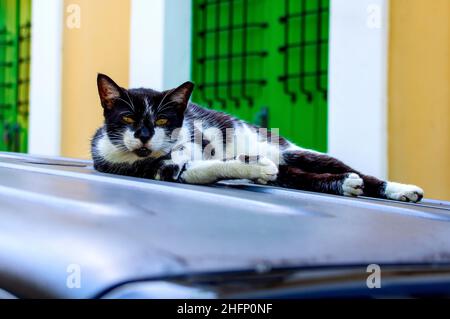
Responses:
[142,121]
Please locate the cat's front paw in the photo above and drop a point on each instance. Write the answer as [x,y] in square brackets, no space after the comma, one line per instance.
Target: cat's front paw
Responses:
[352,185]
[168,172]
[263,170]
[403,192]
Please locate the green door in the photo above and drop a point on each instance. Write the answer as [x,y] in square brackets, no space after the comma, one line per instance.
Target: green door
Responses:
[15,32]
[266,62]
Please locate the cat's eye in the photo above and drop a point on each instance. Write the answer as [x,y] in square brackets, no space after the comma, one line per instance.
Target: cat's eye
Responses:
[162,122]
[127,120]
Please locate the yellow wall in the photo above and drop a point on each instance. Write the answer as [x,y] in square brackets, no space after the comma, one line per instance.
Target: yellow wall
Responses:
[419,99]
[101,44]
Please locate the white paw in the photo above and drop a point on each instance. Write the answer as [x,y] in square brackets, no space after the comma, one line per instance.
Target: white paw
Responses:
[353,185]
[262,170]
[403,192]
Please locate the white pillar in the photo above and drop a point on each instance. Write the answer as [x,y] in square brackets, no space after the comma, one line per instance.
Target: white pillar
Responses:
[44,136]
[160,55]
[147,49]
[358,70]
[177,42]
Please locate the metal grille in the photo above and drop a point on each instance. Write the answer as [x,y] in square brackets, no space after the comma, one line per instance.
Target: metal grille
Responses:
[309,43]
[224,57]
[15,37]
[266,62]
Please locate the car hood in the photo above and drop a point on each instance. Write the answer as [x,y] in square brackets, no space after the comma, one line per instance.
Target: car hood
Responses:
[57,215]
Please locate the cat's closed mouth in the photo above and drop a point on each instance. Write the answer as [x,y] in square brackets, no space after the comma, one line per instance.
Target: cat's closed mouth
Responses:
[142,152]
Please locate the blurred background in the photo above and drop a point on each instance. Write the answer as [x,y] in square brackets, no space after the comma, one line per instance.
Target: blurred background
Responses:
[367,81]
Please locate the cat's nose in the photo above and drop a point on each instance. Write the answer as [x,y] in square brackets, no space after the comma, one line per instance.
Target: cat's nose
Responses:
[143,134]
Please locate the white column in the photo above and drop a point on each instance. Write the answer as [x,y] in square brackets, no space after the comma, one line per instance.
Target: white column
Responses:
[44,136]
[177,42]
[147,38]
[160,55]
[357,129]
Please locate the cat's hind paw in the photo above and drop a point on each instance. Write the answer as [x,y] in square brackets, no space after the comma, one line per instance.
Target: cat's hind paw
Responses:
[352,185]
[403,192]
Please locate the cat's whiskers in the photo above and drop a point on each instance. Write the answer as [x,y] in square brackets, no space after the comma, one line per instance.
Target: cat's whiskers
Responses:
[131,107]
[163,99]
[131,101]
[165,106]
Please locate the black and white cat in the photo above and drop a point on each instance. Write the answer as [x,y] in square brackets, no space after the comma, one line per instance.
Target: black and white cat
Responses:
[161,135]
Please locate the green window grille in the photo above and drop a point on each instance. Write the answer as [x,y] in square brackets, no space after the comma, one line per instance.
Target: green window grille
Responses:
[266,62]
[15,37]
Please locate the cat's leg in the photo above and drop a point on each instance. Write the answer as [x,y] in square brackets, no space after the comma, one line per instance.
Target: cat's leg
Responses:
[315,162]
[347,184]
[373,187]
[261,170]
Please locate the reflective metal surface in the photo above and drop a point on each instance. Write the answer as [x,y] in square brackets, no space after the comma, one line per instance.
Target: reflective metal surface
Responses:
[57,213]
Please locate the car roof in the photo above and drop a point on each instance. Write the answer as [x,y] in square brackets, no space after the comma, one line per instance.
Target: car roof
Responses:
[57,214]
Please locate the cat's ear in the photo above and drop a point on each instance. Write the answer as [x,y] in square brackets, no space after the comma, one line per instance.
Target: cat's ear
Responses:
[180,96]
[108,91]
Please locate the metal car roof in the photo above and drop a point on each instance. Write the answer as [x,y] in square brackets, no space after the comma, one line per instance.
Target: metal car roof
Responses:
[57,212]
